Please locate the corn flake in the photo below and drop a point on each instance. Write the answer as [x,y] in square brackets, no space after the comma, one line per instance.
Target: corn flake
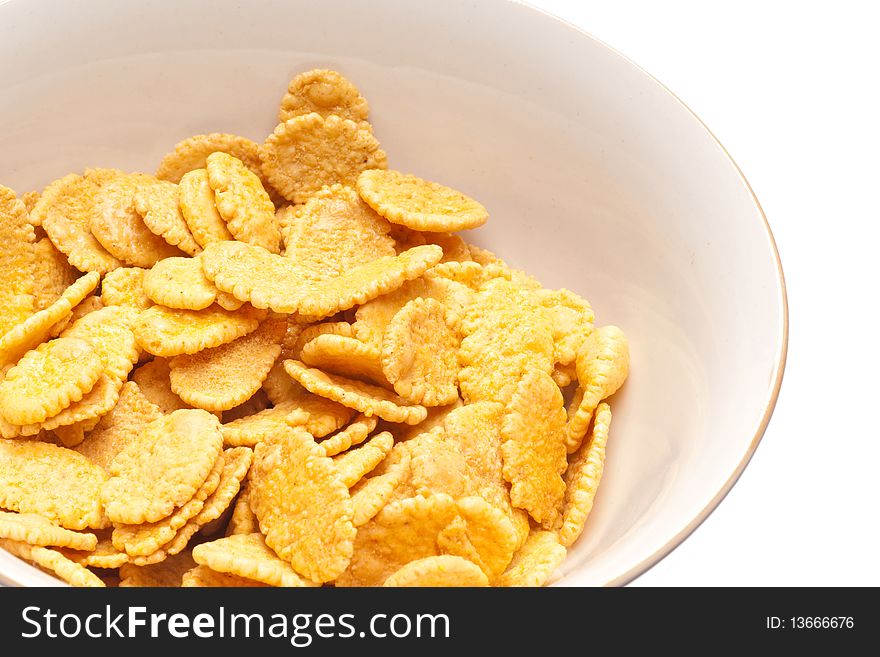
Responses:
[170,332]
[353,434]
[442,570]
[37,530]
[247,556]
[154,383]
[347,357]
[18,262]
[179,283]
[168,573]
[534,562]
[354,464]
[158,207]
[70,571]
[109,331]
[198,208]
[124,287]
[325,92]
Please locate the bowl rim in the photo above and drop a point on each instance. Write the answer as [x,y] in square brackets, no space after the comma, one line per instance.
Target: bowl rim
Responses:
[782,341]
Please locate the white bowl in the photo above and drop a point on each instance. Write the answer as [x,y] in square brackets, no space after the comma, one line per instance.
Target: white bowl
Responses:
[596,177]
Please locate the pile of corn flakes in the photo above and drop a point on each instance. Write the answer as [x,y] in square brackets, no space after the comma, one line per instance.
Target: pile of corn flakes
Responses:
[278,365]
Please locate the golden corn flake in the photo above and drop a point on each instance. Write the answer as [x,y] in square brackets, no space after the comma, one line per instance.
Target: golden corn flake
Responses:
[132,412]
[179,283]
[582,479]
[154,382]
[325,92]
[371,494]
[124,287]
[36,329]
[163,467]
[419,204]
[103,555]
[221,378]
[116,224]
[308,152]
[533,447]
[334,231]
[344,356]
[146,538]
[192,153]
[52,274]
[37,530]
[483,256]
[481,533]
[256,403]
[202,576]
[401,532]
[243,520]
[65,210]
[363,397]
[353,434]
[158,207]
[442,570]
[571,319]
[37,477]
[303,506]
[170,332]
[168,573]
[198,208]
[248,556]
[48,379]
[354,464]
[420,353]
[18,262]
[534,562]
[309,333]
[67,570]
[505,334]
[242,202]
[95,403]
[602,367]
[109,331]
[88,305]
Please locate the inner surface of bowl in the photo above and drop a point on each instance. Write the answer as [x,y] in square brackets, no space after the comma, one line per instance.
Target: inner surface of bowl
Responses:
[596,179]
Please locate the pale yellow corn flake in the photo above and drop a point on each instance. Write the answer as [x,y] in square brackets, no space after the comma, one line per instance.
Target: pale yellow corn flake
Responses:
[403,531]
[353,434]
[124,287]
[169,332]
[52,274]
[420,353]
[65,210]
[355,464]
[506,333]
[419,204]
[602,367]
[51,481]
[242,202]
[483,256]
[34,330]
[109,330]
[167,573]
[220,378]
[571,320]
[307,152]
[534,562]
[243,520]
[118,227]
[248,556]
[163,467]
[582,478]
[372,493]
[309,333]
[132,412]
[202,576]
[146,538]
[179,283]
[104,555]
[533,447]
[192,153]
[440,571]
[88,305]
[158,207]
[303,506]
[197,205]
[334,231]
[18,262]
[251,406]
[35,529]
[154,381]
[86,412]
[344,356]
[49,379]
[52,560]
[325,92]
[470,274]
[363,397]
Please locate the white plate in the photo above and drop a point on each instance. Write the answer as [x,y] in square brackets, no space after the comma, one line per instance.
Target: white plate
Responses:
[596,177]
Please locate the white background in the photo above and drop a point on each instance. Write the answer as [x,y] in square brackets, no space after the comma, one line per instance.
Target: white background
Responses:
[792,90]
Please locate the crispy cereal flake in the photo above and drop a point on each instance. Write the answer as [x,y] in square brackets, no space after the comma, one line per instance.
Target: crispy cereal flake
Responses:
[109,331]
[124,287]
[154,382]
[202,576]
[354,464]
[353,434]
[442,570]
[168,573]
[248,556]
[170,332]
[325,92]
[347,357]
[158,207]
[18,262]
[534,562]
[179,283]
[37,530]
[70,571]
[198,208]
[52,274]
